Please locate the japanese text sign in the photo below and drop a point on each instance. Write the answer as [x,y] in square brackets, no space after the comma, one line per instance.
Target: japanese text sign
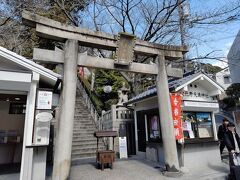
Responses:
[176,104]
[44,100]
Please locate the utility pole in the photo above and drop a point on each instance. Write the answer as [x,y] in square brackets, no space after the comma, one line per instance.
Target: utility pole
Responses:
[183,13]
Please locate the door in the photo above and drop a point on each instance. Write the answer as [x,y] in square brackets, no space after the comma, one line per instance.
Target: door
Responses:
[131,138]
[141,131]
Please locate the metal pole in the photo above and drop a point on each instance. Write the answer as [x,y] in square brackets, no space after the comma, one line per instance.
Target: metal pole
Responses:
[62,160]
[182,28]
[167,128]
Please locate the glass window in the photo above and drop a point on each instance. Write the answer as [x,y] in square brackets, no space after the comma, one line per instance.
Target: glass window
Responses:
[154,133]
[197,125]
[17,108]
[227,79]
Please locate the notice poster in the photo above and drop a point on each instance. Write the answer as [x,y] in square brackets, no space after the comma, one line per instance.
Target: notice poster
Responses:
[176,104]
[154,127]
[44,100]
[123,147]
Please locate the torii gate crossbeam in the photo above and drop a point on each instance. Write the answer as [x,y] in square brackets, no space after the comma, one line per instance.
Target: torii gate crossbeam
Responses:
[73,37]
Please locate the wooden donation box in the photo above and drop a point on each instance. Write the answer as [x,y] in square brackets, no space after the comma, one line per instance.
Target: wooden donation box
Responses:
[105,157]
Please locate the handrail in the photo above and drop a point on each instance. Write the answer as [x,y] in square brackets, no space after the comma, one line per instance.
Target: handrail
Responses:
[90,105]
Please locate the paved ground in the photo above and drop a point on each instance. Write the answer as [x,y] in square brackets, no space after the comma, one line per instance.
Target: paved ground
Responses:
[141,169]
[135,168]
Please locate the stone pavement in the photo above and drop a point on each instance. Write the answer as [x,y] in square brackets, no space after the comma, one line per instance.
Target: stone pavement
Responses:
[141,169]
[135,168]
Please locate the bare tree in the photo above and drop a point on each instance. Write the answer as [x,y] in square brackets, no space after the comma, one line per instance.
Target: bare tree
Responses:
[21,39]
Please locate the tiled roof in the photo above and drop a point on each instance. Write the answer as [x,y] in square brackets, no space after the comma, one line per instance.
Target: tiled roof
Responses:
[172,83]
[11,56]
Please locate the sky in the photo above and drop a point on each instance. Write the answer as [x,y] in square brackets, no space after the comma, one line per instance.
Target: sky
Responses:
[205,39]
[217,38]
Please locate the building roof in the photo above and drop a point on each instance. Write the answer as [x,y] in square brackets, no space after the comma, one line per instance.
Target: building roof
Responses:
[25,64]
[175,85]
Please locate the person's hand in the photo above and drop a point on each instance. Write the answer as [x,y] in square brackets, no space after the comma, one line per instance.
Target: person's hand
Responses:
[232,151]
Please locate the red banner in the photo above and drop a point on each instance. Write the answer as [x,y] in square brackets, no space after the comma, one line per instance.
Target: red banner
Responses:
[176,104]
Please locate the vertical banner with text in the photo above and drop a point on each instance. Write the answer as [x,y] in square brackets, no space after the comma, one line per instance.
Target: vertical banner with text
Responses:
[176,104]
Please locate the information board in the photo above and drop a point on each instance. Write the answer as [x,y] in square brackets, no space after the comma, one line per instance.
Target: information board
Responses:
[44,100]
[123,147]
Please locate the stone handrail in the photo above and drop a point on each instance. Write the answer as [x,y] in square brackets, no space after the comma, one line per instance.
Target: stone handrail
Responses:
[90,105]
[118,114]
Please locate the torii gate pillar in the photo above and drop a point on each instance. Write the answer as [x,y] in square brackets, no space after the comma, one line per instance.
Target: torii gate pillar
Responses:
[62,159]
[168,136]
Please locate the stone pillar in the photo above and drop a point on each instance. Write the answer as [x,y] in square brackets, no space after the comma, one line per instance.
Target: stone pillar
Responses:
[62,159]
[167,128]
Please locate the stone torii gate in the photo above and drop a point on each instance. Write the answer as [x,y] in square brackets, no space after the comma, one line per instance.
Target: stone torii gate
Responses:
[125,46]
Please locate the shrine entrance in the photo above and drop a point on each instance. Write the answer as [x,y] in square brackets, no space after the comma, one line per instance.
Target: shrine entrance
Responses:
[125,47]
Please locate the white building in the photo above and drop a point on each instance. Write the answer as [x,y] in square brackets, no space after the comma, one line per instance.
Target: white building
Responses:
[200,130]
[21,139]
[224,78]
[234,60]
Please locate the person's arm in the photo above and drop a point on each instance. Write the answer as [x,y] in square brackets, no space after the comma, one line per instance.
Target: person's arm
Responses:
[228,142]
[220,133]
[238,139]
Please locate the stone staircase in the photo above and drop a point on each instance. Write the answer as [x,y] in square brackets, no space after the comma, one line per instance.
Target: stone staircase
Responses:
[84,144]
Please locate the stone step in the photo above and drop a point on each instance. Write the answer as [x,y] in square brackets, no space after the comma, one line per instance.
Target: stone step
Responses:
[87,121]
[84,137]
[83,120]
[87,137]
[86,143]
[82,114]
[78,132]
[83,156]
[81,105]
[82,127]
[87,148]
[81,133]
[83,117]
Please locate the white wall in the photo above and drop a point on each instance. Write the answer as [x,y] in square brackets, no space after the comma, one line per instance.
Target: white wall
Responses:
[220,78]
[10,122]
[234,58]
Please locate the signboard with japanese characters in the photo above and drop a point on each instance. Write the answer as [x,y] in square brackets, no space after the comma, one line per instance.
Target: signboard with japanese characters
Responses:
[44,100]
[176,104]
[123,147]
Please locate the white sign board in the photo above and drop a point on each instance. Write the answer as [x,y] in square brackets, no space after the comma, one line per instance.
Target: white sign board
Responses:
[123,147]
[200,104]
[44,100]
[44,116]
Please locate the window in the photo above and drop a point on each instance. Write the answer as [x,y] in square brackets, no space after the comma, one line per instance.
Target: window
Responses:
[17,108]
[227,79]
[154,133]
[197,125]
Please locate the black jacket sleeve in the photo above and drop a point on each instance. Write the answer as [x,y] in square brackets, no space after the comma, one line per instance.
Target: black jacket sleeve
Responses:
[220,133]
[228,142]
[238,140]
